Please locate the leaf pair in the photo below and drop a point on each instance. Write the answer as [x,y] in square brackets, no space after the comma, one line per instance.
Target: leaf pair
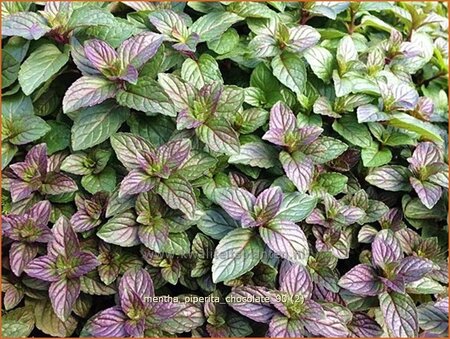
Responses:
[63,266]
[269,214]
[32,175]
[152,168]
[110,70]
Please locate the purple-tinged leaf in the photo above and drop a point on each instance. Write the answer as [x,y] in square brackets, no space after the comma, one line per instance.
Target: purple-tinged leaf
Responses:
[275,136]
[20,190]
[282,118]
[20,255]
[28,25]
[426,153]
[287,240]
[86,263]
[268,203]
[236,254]
[255,154]
[139,281]
[13,295]
[237,202]
[395,284]
[121,230]
[297,281]
[331,325]
[414,268]
[257,306]
[135,182]
[302,37]
[135,328]
[100,54]
[363,326]
[433,317]
[312,312]
[428,193]
[40,213]
[299,169]
[57,183]
[386,249]
[87,91]
[109,323]
[402,96]
[43,268]
[174,153]
[367,234]
[188,317]
[178,193]
[352,214]
[130,148]
[390,178]
[139,49]
[63,295]
[218,135]
[309,134]
[130,74]
[370,113]
[154,236]
[283,327]
[82,222]
[400,314]
[65,241]
[362,280]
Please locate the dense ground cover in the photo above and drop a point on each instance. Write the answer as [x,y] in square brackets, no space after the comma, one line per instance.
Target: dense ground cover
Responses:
[224,169]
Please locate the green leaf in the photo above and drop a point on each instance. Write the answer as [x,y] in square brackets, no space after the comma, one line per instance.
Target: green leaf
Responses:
[58,138]
[177,244]
[157,129]
[424,129]
[199,164]
[49,323]
[121,230]
[103,181]
[325,149]
[219,136]
[290,69]
[40,66]
[373,156]
[88,91]
[10,69]
[146,96]
[250,120]
[178,193]
[390,178]
[296,207]
[214,24]
[18,323]
[333,183]
[236,254]
[90,15]
[321,62]
[8,152]
[113,34]
[225,43]
[201,72]
[216,223]
[25,129]
[255,154]
[400,314]
[356,133]
[96,124]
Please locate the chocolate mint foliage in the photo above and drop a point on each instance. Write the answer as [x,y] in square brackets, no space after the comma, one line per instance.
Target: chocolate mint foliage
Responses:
[224,169]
